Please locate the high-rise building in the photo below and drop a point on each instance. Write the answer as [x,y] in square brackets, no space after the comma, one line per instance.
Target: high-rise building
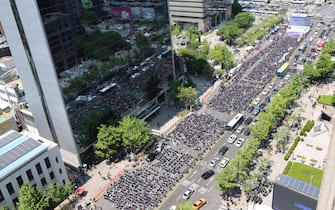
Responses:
[86,63]
[205,14]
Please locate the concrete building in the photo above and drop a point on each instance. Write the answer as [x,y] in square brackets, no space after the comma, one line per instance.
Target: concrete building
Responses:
[204,13]
[55,42]
[27,158]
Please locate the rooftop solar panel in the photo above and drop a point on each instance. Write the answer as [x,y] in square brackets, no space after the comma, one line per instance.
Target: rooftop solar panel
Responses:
[299,185]
[5,139]
[17,152]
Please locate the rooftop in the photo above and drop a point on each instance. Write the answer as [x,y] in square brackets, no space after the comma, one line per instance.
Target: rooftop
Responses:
[16,150]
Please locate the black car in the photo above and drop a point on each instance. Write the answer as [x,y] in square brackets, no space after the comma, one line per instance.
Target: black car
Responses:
[250,109]
[223,150]
[248,120]
[207,174]
[268,99]
[247,131]
[262,105]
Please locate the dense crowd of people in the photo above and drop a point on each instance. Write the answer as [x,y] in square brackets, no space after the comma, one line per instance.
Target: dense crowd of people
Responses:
[197,131]
[145,187]
[253,75]
[123,98]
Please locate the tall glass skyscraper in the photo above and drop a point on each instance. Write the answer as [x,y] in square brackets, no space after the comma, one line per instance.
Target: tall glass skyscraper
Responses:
[87,62]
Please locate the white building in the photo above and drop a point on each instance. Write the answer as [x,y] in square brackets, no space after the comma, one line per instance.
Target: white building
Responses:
[24,157]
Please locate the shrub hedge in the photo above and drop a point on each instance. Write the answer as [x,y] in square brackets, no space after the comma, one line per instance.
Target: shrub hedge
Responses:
[294,145]
[308,126]
[287,167]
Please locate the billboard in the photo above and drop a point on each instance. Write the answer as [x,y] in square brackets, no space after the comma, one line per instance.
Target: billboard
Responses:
[122,13]
[140,13]
[299,20]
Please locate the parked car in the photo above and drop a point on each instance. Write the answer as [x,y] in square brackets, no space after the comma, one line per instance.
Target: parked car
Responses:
[256,111]
[265,92]
[262,105]
[239,142]
[271,85]
[198,204]
[256,101]
[247,131]
[248,120]
[214,162]
[250,109]
[240,129]
[223,150]
[224,162]
[188,193]
[232,138]
[207,174]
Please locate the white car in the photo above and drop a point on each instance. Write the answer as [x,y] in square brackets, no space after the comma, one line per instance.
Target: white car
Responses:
[256,101]
[281,84]
[224,162]
[287,77]
[271,85]
[214,162]
[231,139]
[188,193]
[240,129]
[265,92]
[239,142]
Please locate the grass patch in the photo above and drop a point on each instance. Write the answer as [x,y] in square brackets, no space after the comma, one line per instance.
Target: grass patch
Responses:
[326,100]
[304,172]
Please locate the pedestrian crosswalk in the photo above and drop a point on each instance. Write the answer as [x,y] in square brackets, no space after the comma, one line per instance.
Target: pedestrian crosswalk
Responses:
[203,190]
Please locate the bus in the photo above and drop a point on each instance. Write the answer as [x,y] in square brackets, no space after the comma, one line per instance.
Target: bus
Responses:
[237,120]
[107,88]
[282,70]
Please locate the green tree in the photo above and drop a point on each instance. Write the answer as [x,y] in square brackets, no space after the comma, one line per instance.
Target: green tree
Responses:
[109,141]
[31,198]
[176,29]
[325,65]
[236,8]
[150,86]
[221,54]
[184,206]
[205,47]
[135,132]
[230,31]
[55,193]
[195,62]
[173,89]
[244,19]
[194,35]
[227,179]
[188,95]
[5,207]
[141,41]
[68,188]
[282,137]
[88,127]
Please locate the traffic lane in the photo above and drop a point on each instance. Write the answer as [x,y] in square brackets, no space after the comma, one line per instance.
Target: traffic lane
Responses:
[194,178]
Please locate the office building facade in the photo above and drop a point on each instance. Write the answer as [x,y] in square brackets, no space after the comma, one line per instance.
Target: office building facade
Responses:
[26,158]
[205,14]
[86,63]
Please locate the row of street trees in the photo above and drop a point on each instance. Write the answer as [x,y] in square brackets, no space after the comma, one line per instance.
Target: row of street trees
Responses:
[239,170]
[235,28]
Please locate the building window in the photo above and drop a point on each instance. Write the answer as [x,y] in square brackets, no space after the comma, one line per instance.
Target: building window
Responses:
[38,168]
[52,175]
[43,181]
[60,171]
[47,162]
[19,180]
[63,182]
[56,159]
[15,201]
[30,175]
[1,197]
[10,188]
